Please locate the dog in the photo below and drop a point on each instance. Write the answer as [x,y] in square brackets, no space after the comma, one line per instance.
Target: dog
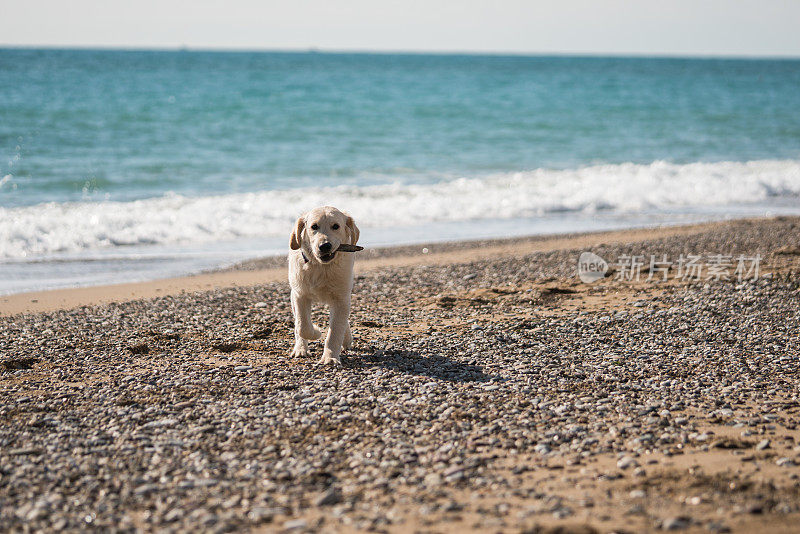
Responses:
[319,272]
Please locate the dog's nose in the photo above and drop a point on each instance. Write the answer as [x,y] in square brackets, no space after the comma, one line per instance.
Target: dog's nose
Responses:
[325,247]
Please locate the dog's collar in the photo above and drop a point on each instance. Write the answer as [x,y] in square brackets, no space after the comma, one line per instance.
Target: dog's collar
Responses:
[304,256]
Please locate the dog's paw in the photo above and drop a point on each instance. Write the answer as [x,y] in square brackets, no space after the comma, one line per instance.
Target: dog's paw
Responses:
[330,360]
[311,333]
[300,351]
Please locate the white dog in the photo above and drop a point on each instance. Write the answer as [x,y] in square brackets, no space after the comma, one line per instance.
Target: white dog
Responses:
[317,273]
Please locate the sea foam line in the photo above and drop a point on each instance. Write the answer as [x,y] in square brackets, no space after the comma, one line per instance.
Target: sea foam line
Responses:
[53,228]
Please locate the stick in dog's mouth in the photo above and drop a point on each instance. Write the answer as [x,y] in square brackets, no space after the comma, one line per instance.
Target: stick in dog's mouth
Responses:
[344,247]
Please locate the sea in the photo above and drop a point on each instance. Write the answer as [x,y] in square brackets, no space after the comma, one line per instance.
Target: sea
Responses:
[124,165]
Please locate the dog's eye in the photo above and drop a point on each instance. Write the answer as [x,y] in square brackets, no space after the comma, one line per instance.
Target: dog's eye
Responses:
[335,226]
[315,227]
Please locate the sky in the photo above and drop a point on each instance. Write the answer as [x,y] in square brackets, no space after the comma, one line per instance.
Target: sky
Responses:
[638,27]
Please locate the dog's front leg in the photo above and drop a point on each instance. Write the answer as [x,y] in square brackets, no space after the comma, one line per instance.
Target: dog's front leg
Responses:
[348,337]
[340,317]
[304,328]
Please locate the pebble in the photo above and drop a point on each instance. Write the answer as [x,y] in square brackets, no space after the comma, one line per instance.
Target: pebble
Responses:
[260,514]
[675,523]
[144,489]
[433,479]
[25,451]
[295,524]
[627,462]
[331,496]
[161,423]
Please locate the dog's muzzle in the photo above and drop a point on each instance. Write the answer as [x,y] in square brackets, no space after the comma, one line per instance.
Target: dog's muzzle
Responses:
[326,258]
[326,252]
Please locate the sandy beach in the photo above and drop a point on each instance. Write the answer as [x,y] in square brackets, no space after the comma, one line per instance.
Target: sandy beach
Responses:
[489,389]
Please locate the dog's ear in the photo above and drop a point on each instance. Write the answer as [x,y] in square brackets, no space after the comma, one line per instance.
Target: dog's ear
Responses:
[294,241]
[353,230]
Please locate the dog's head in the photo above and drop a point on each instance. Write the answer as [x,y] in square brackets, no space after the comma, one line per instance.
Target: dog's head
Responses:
[320,232]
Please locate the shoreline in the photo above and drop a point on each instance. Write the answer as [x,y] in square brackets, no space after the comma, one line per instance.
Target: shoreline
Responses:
[273,268]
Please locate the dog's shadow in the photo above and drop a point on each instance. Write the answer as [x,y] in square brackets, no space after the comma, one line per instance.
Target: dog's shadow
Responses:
[413,363]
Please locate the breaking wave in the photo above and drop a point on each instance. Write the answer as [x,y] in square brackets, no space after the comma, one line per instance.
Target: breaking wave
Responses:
[53,228]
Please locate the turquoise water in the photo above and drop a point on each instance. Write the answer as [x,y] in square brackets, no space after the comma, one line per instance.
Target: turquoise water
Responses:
[129,125]
[103,151]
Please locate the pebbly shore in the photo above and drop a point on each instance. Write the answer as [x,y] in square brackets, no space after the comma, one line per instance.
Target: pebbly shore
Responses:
[498,395]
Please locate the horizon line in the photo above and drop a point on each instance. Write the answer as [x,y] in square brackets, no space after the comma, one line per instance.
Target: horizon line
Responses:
[365,51]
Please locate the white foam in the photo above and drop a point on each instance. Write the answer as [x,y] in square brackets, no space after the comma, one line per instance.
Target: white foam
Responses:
[54,228]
